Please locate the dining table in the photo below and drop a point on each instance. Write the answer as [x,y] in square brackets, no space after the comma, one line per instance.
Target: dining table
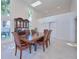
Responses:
[32,39]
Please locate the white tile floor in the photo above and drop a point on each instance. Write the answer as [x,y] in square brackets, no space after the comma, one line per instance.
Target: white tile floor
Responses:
[57,50]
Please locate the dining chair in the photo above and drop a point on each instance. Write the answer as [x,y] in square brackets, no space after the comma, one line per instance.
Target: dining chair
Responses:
[20,45]
[33,32]
[43,41]
[46,31]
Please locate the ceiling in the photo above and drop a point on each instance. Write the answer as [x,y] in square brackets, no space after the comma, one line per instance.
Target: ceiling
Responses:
[51,7]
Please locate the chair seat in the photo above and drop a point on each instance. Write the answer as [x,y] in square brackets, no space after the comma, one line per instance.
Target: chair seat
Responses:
[40,39]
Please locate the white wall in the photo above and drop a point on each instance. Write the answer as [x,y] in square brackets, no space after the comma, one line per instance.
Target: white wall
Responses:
[74,5]
[65,24]
[64,27]
[35,17]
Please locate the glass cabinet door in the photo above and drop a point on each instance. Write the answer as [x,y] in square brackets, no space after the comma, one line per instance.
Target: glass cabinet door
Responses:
[22,24]
[18,24]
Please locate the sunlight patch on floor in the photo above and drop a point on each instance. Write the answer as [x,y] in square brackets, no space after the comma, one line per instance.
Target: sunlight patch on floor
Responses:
[72,44]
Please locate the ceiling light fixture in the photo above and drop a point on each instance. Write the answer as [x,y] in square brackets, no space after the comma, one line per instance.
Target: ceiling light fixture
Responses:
[36,3]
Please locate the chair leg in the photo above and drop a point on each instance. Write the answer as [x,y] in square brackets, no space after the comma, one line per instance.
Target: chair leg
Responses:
[15,50]
[35,47]
[30,48]
[43,47]
[49,41]
[46,44]
[20,54]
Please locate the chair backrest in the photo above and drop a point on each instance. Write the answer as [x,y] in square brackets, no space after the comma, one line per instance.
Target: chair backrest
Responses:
[45,31]
[16,39]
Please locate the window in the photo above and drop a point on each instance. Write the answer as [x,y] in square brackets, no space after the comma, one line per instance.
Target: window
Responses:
[5,7]
[30,17]
[30,14]
[5,30]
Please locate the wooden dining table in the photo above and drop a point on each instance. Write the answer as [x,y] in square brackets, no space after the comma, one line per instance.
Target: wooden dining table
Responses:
[33,40]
